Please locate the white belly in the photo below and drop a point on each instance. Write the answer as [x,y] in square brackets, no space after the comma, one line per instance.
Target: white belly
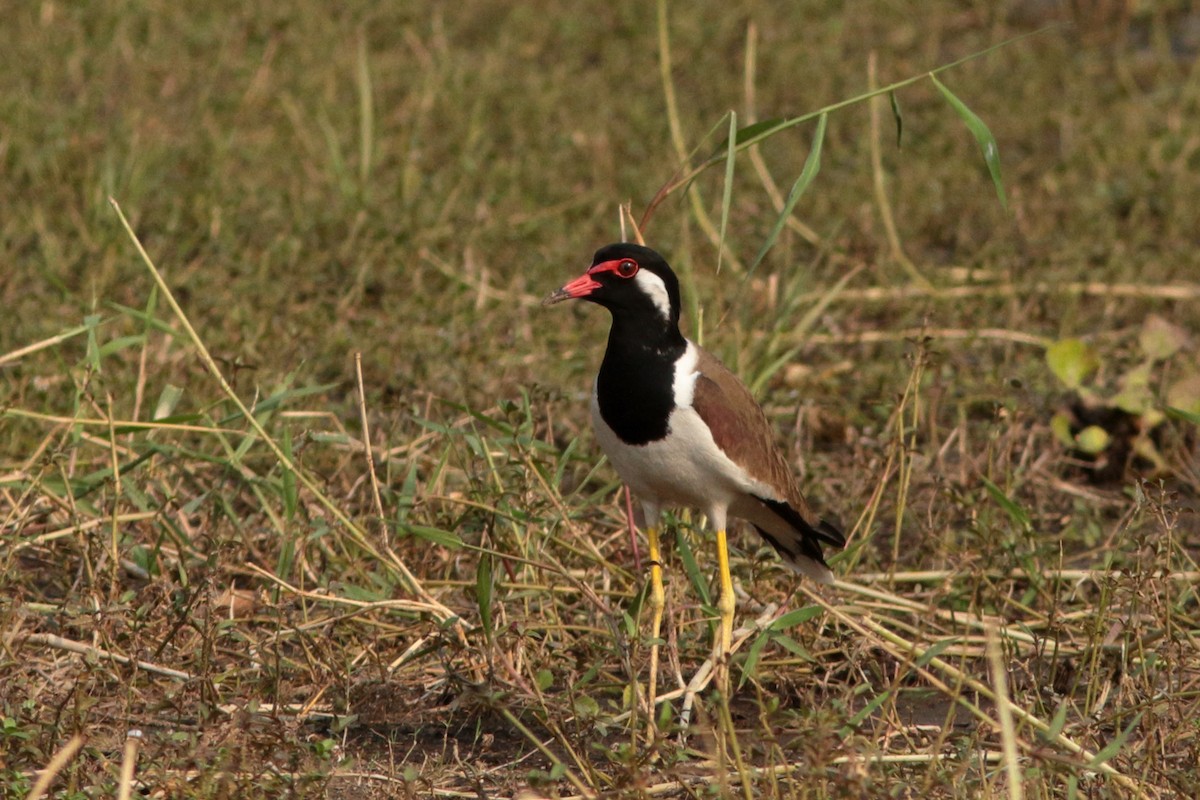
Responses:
[686,468]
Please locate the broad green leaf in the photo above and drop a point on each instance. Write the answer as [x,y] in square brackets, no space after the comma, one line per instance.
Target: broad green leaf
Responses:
[1135,396]
[1071,361]
[1184,395]
[979,129]
[586,707]
[1060,426]
[1093,440]
[812,165]
[1160,339]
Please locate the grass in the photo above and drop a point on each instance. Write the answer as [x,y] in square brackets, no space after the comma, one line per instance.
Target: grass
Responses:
[195,545]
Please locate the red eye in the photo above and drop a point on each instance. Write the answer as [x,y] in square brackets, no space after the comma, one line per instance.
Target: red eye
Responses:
[627,268]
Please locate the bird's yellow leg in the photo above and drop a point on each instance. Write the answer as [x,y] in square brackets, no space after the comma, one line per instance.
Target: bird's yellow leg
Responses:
[723,641]
[657,603]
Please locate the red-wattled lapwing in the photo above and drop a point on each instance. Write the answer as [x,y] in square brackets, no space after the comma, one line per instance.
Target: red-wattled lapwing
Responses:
[681,429]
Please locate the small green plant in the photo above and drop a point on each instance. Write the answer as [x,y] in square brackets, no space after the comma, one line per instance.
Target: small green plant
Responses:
[1108,426]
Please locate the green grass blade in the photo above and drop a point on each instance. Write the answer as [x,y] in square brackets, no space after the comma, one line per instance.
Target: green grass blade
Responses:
[366,114]
[752,656]
[1110,750]
[727,196]
[795,617]
[812,165]
[897,115]
[291,492]
[982,134]
[1010,506]
[864,712]
[691,567]
[483,594]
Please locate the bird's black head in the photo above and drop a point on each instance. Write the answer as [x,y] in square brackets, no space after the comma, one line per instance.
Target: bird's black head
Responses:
[629,280]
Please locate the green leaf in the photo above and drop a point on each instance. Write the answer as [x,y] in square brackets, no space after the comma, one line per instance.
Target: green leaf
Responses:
[1093,440]
[92,321]
[795,617]
[447,539]
[586,707]
[167,400]
[979,129]
[936,649]
[1112,748]
[864,712]
[1071,361]
[1009,505]
[1160,339]
[793,647]
[727,194]
[1135,396]
[1184,396]
[745,135]
[483,593]
[291,494]
[120,343]
[1056,724]
[812,165]
[896,115]
[1187,416]
[752,656]
[1060,426]
[690,567]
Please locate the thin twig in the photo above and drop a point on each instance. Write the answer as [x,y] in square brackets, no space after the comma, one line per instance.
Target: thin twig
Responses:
[71,646]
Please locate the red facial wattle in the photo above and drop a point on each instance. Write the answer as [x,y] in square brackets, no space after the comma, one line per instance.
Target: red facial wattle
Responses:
[586,283]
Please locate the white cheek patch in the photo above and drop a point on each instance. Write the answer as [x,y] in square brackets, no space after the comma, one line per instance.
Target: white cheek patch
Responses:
[653,287]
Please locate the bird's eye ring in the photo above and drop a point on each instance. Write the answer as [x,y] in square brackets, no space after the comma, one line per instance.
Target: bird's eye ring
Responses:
[627,268]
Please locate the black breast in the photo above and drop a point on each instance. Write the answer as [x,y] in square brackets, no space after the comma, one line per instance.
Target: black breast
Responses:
[635,391]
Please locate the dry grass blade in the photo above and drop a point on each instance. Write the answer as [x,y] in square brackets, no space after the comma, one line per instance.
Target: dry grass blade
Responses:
[405,184]
[1004,714]
[909,651]
[60,759]
[356,533]
[133,742]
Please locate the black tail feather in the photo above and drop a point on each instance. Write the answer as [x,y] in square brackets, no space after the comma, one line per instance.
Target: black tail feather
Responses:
[824,530]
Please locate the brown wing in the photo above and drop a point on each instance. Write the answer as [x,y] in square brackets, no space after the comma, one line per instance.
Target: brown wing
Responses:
[741,430]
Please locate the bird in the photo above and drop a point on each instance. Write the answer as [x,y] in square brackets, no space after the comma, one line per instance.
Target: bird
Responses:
[682,430]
